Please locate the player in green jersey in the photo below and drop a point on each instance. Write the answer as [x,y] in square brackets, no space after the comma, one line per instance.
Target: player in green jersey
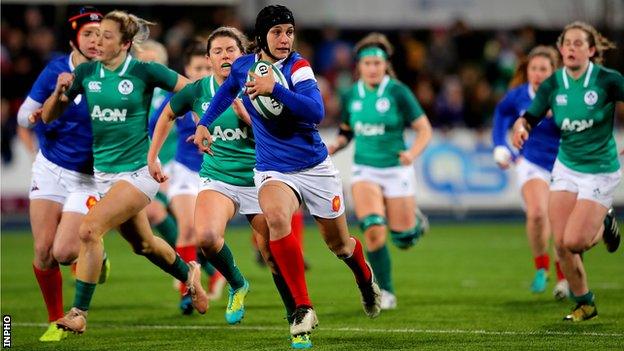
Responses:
[226,177]
[376,110]
[118,89]
[582,97]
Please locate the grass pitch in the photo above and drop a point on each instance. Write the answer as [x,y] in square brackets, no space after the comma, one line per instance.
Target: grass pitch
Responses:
[463,287]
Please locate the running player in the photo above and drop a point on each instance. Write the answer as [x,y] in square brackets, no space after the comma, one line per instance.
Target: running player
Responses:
[582,97]
[226,182]
[292,164]
[118,90]
[63,188]
[375,111]
[533,167]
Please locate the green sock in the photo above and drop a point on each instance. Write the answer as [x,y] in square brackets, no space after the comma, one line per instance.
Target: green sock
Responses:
[381,264]
[83,295]
[178,269]
[203,262]
[168,229]
[223,261]
[286,295]
[587,299]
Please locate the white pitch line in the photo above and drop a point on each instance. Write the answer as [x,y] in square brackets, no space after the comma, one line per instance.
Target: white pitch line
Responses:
[341,329]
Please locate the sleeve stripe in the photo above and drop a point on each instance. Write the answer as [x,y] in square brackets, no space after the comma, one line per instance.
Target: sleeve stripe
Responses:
[301,74]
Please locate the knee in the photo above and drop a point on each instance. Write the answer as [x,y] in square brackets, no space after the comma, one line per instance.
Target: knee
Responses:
[575,244]
[64,255]
[90,230]
[341,249]
[142,247]
[43,254]
[375,237]
[277,219]
[209,240]
[185,234]
[537,215]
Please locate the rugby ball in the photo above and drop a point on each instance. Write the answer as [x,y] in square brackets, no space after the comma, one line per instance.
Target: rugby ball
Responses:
[267,106]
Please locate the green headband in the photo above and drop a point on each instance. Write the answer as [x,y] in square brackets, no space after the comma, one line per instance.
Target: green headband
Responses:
[372,51]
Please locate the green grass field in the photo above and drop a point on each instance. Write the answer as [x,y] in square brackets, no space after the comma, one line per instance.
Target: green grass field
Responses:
[463,287]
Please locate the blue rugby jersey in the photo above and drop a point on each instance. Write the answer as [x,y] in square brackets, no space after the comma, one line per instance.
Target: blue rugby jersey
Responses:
[291,142]
[68,140]
[543,143]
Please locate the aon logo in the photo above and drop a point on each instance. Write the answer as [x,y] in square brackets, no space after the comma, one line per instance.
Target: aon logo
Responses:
[229,134]
[108,115]
[576,126]
[368,129]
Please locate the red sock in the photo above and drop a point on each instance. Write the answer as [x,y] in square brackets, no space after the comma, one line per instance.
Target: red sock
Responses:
[51,285]
[289,260]
[188,254]
[296,225]
[560,275]
[542,262]
[358,265]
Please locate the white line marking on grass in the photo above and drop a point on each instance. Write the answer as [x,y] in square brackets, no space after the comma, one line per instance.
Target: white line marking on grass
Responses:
[343,329]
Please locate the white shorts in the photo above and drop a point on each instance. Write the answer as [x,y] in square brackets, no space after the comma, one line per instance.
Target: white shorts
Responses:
[399,181]
[182,180]
[140,179]
[319,187]
[76,191]
[245,198]
[527,170]
[599,187]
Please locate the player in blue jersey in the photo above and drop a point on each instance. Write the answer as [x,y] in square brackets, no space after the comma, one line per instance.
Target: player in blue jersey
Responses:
[292,163]
[534,164]
[62,188]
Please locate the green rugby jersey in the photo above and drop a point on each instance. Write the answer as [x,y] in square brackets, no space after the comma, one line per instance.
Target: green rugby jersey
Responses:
[167,153]
[378,118]
[583,110]
[233,144]
[119,102]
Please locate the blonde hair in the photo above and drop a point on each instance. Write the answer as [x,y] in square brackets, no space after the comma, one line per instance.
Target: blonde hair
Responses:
[520,75]
[377,40]
[154,46]
[594,38]
[134,29]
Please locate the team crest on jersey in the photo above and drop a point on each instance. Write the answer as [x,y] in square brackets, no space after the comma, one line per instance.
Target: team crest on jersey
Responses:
[91,201]
[590,98]
[356,106]
[336,203]
[382,105]
[562,100]
[95,86]
[125,87]
[204,106]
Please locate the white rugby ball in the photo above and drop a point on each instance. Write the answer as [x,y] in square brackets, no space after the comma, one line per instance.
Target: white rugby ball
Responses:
[267,106]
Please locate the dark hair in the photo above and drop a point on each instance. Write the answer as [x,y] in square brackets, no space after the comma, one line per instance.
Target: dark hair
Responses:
[133,29]
[197,47]
[241,40]
[520,75]
[268,17]
[377,40]
[594,38]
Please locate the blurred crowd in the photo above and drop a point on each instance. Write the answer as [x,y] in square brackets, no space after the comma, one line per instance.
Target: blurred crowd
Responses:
[457,73]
